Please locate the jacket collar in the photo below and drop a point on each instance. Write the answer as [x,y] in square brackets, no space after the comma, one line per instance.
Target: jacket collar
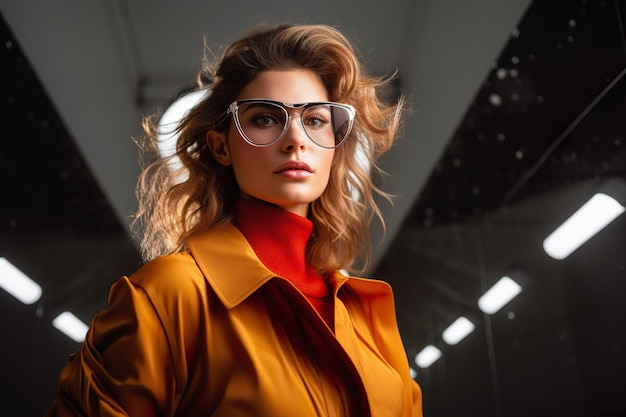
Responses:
[231,267]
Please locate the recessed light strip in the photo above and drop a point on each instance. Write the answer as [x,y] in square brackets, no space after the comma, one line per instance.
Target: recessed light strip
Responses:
[499,295]
[18,284]
[588,220]
[458,330]
[427,356]
[71,325]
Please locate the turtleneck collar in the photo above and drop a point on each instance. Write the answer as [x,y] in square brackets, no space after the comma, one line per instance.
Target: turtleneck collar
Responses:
[279,238]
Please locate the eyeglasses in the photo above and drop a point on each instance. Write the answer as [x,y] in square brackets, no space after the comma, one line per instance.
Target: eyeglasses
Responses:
[263,122]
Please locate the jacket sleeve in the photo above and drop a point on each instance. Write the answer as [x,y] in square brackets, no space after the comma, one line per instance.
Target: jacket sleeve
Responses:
[124,367]
[416,391]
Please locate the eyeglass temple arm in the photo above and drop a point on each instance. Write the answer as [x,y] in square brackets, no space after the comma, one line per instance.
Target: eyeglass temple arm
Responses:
[221,119]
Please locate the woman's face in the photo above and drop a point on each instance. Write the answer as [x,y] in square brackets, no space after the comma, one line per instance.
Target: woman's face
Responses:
[292,172]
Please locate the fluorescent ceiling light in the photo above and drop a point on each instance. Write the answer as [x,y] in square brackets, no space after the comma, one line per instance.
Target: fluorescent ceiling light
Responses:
[361,155]
[427,356]
[499,295]
[458,330]
[588,220]
[71,325]
[16,283]
[168,123]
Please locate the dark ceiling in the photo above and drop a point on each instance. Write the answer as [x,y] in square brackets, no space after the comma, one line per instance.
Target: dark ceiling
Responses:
[544,133]
[56,226]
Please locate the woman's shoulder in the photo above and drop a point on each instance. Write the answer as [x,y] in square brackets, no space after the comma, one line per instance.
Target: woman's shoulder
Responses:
[167,294]
[170,274]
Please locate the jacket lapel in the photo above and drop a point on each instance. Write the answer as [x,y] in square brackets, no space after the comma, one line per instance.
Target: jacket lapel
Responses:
[228,263]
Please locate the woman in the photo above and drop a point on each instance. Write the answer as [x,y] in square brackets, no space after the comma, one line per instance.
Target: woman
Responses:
[241,309]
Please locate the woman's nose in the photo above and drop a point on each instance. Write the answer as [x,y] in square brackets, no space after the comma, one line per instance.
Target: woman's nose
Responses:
[295,136]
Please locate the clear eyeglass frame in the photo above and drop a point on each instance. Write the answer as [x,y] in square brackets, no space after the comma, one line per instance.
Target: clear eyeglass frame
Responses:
[233,110]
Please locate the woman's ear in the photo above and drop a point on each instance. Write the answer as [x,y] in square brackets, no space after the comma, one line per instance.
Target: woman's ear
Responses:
[217,143]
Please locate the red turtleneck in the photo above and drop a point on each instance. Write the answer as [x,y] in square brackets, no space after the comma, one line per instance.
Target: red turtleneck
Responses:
[279,238]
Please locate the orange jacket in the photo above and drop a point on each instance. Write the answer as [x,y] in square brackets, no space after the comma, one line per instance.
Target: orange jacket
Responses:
[212,332]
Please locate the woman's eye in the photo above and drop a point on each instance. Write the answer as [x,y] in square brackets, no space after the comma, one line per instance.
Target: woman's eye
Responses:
[315,121]
[264,120]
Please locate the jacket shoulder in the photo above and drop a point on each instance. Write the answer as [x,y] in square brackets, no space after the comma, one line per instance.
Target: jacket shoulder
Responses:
[171,274]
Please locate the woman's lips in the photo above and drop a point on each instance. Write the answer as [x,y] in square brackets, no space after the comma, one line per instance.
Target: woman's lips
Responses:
[295,170]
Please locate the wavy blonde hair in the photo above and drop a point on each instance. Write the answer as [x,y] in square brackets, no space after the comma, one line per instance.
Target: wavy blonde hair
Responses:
[171,210]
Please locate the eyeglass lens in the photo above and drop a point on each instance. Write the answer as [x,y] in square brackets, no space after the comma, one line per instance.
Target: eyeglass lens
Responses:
[263,123]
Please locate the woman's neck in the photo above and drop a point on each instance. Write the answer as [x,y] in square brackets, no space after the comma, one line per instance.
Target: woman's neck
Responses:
[280,240]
